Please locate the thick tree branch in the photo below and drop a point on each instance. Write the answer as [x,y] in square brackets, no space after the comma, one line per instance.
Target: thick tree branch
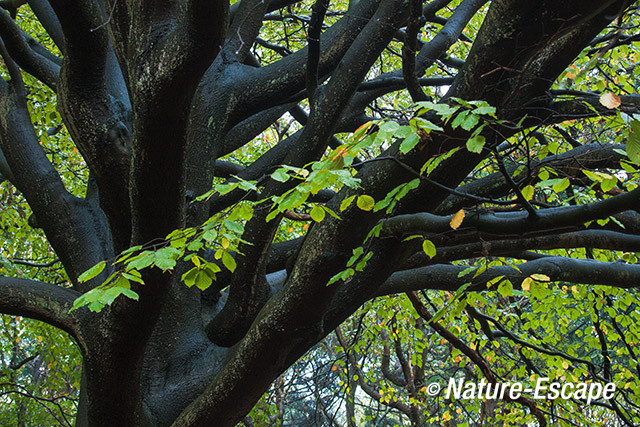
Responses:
[558,269]
[94,106]
[47,17]
[167,73]
[32,62]
[313,48]
[74,228]
[268,343]
[45,302]
[515,222]
[249,288]
[487,245]
[409,51]
[429,52]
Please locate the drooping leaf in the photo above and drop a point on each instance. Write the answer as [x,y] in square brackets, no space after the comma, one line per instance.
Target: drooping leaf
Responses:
[228,261]
[92,272]
[346,202]
[409,142]
[475,144]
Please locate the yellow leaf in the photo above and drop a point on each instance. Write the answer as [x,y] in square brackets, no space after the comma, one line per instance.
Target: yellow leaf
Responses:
[610,100]
[541,277]
[527,192]
[526,283]
[365,202]
[457,219]
[364,127]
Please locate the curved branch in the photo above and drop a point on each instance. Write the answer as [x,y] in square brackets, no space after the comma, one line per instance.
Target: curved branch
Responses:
[485,245]
[47,17]
[42,301]
[259,88]
[28,59]
[582,105]
[95,107]
[313,47]
[409,51]
[75,229]
[515,222]
[429,52]
[558,269]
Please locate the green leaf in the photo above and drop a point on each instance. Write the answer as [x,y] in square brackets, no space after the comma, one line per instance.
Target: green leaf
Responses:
[234,226]
[550,182]
[475,144]
[409,142]
[280,175]
[459,119]
[423,124]
[343,275]
[488,110]
[505,288]
[331,212]
[228,261]
[189,278]
[429,248]
[527,192]
[132,249]
[365,202]
[165,258]
[608,184]
[470,121]
[357,252]
[246,185]
[389,127]
[203,280]
[466,271]
[317,213]
[274,213]
[561,186]
[140,261]
[346,202]
[130,294]
[363,263]
[433,163]
[92,272]
[133,276]
[633,142]
[225,188]
[210,235]
[440,313]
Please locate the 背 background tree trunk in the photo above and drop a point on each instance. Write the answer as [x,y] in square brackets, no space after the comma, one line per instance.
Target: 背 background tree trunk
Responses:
[117,115]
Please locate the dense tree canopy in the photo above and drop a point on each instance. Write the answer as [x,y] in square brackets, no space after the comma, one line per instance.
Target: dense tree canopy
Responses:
[198,193]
